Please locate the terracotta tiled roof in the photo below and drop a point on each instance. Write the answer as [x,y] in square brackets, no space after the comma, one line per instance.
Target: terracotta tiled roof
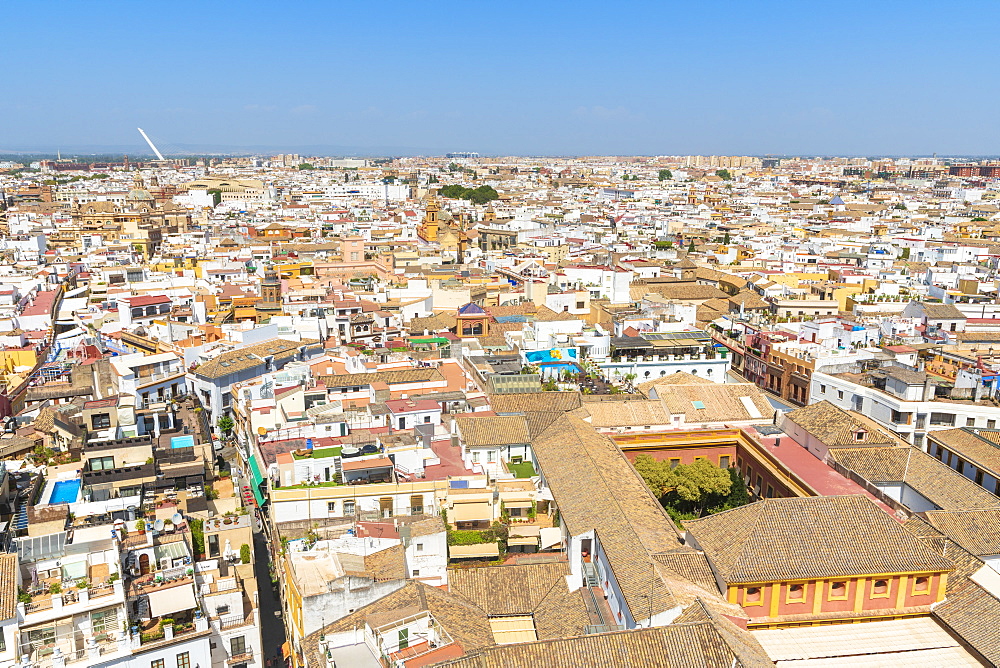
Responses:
[974,615]
[833,426]
[627,413]
[545,314]
[388,377]
[702,644]
[677,378]
[942,312]
[715,402]
[937,482]
[8,586]
[965,562]
[978,531]
[251,356]
[814,537]
[979,446]
[535,402]
[681,291]
[493,429]
[464,622]
[690,565]
[601,491]
[530,589]
[432,324]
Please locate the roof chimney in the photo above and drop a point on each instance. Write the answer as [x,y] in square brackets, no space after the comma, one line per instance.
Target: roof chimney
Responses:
[928,389]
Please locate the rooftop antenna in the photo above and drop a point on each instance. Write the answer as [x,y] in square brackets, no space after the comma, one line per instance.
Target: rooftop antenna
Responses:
[151,144]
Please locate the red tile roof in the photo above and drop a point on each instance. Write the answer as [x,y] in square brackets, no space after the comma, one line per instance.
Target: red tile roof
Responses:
[147,300]
[377,463]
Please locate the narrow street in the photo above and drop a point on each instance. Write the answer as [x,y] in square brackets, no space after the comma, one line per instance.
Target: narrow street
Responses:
[272,628]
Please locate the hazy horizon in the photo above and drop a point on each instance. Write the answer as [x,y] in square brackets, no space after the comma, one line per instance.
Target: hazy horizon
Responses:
[641,78]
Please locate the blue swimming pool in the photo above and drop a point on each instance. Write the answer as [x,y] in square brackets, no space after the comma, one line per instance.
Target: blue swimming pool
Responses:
[182,441]
[65,491]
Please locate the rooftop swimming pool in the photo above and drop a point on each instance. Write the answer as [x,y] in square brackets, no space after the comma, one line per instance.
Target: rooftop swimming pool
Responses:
[182,441]
[65,491]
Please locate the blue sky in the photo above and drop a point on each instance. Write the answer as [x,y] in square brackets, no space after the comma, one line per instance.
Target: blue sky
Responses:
[872,78]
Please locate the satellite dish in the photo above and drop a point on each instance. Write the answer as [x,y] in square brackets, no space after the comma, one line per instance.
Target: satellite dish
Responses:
[158,525]
[177,519]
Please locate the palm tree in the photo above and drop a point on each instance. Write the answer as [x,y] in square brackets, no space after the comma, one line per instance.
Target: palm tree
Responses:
[629,377]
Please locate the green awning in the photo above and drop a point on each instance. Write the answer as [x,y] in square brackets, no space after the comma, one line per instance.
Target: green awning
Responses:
[257,479]
[434,339]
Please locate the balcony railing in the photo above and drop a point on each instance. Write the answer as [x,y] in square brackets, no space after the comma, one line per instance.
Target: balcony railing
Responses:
[157,377]
[235,619]
[68,649]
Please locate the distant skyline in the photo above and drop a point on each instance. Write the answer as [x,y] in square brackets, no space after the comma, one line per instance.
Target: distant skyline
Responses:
[516,78]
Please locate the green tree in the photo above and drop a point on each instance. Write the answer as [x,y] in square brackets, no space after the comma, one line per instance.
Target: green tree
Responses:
[905,255]
[724,174]
[655,473]
[225,424]
[480,195]
[665,175]
[306,165]
[738,494]
[483,194]
[695,483]
[197,536]
[725,239]
[691,246]
[900,207]
[245,553]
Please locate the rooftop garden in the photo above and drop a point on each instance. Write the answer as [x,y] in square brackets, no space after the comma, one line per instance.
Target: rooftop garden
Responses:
[522,470]
[320,453]
[303,485]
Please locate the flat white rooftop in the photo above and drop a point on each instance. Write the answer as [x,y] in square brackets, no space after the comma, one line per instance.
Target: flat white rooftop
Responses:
[903,642]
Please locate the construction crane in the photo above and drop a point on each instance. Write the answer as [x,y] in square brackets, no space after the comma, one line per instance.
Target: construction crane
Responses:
[151,144]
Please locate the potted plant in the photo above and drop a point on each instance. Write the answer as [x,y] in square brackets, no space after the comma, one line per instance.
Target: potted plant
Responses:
[140,526]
